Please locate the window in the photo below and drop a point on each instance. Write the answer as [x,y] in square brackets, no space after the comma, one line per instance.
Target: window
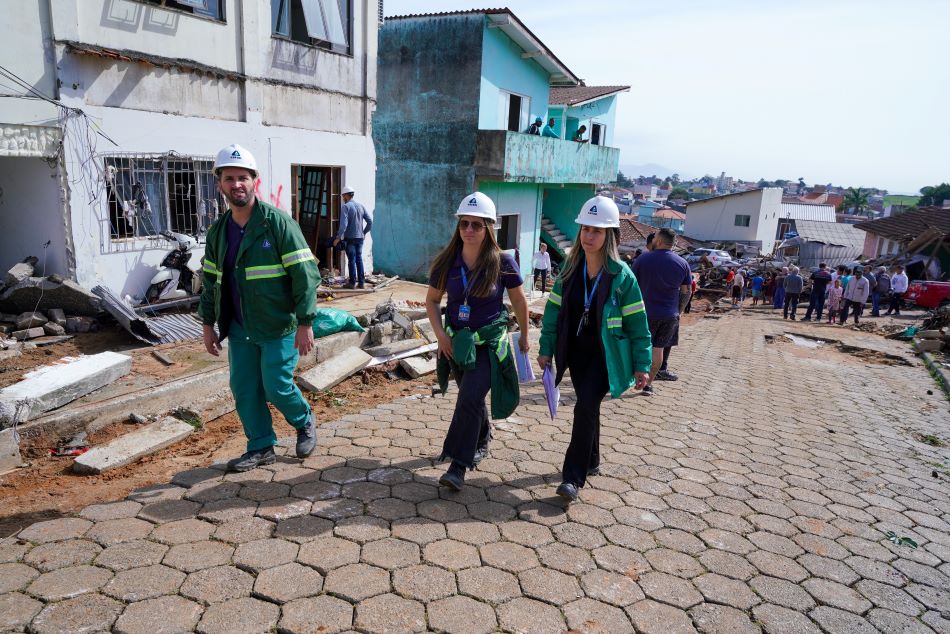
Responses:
[213,9]
[742,220]
[783,228]
[321,23]
[316,204]
[598,134]
[507,233]
[148,194]
[514,111]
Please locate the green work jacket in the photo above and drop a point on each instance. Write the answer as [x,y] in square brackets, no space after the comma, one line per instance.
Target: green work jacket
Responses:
[624,329]
[505,391]
[275,273]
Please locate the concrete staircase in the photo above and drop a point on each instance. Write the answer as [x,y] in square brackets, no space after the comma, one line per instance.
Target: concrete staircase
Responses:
[555,237]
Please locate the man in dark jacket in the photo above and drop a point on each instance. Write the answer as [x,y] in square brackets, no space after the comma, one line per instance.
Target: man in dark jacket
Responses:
[352,232]
[793,285]
[819,284]
[881,290]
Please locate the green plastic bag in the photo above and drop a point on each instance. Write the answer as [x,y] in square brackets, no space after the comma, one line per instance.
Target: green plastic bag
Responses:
[330,321]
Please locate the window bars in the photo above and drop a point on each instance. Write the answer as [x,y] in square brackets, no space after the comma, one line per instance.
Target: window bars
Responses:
[146,194]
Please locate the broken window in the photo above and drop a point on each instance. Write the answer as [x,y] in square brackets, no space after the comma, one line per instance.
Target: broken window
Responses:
[148,194]
[213,9]
[321,23]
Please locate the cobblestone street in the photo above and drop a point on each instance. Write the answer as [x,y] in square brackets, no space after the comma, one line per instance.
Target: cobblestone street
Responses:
[754,494]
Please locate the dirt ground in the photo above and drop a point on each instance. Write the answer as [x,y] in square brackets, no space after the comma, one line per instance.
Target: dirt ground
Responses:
[47,488]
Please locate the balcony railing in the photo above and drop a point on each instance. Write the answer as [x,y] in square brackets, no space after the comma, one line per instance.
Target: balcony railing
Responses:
[527,158]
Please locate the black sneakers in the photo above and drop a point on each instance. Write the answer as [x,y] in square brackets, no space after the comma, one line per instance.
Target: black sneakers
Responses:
[307,438]
[454,478]
[567,491]
[253,459]
[665,375]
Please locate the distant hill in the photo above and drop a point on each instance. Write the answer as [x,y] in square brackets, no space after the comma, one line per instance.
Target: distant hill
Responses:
[648,169]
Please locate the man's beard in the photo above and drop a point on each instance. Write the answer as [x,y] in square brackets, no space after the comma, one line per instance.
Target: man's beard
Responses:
[239,202]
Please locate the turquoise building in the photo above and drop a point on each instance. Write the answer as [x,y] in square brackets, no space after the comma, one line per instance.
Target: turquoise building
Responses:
[456,93]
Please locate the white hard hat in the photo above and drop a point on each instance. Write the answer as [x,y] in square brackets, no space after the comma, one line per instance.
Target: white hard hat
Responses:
[599,211]
[478,205]
[235,156]
[348,190]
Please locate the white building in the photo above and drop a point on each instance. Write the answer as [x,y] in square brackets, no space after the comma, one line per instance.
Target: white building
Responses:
[646,192]
[746,217]
[112,112]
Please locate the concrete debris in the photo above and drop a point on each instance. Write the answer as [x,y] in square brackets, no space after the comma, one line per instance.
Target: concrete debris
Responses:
[9,451]
[81,324]
[336,369]
[162,357]
[44,293]
[21,271]
[49,340]
[137,419]
[429,347]
[395,347]
[132,446]
[150,330]
[52,328]
[29,320]
[929,345]
[57,315]
[930,334]
[418,366]
[55,385]
[29,333]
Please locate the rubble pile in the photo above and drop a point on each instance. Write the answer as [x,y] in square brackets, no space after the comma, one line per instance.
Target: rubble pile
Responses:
[932,340]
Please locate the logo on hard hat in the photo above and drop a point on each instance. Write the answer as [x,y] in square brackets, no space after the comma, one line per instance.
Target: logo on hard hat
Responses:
[593,210]
[473,202]
[235,154]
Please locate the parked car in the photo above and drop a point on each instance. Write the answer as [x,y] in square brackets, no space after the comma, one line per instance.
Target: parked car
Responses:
[928,294]
[715,256]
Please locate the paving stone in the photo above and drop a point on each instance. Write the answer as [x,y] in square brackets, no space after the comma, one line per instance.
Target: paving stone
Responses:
[327,553]
[778,620]
[508,556]
[246,529]
[163,615]
[262,491]
[829,569]
[139,584]
[239,616]
[425,583]
[390,613]
[777,544]
[451,554]
[283,508]
[198,555]
[303,529]
[461,615]
[55,530]
[314,491]
[567,559]
[182,531]
[214,491]
[473,532]
[132,554]
[528,616]
[86,613]
[876,571]
[323,614]
[893,622]
[264,553]
[66,583]
[526,533]
[391,509]
[933,598]
[111,511]
[288,582]
[579,535]
[418,530]
[777,566]
[836,595]
[835,620]
[679,541]
[669,589]
[731,592]
[357,582]
[651,617]
[112,532]
[17,610]
[611,587]
[488,584]
[727,564]
[720,619]
[549,586]
[889,597]
[362,529]
[783,593]
[391,553]
[12,549]
[920,573]
[674,563]
[215,585]
[53,555]
[221,511]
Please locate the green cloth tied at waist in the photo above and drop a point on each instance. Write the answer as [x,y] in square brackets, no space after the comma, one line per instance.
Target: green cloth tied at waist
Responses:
[505,391]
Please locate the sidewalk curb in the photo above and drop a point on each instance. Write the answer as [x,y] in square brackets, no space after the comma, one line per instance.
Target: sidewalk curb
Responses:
[940,374]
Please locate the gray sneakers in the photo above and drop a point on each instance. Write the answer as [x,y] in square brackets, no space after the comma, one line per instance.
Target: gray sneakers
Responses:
[253,459]
[307,438]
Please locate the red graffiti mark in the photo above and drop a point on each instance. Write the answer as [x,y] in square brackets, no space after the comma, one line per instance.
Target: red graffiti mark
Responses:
[257,188]
[275,200]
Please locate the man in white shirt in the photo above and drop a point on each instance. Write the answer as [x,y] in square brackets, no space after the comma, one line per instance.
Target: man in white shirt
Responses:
[855,295]
[899,284]
[542,265]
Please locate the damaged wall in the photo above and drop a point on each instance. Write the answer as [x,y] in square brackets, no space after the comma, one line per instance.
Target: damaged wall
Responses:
[31,201]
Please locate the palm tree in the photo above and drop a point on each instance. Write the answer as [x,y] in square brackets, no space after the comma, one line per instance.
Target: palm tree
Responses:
[857,200]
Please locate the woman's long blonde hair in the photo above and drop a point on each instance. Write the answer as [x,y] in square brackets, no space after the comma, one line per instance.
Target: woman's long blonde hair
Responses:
[487,268]
[609,250]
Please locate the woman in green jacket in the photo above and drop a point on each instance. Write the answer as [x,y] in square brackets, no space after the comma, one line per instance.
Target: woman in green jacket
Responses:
[594,325]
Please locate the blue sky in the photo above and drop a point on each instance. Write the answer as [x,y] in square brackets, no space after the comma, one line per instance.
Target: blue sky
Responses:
[844,91]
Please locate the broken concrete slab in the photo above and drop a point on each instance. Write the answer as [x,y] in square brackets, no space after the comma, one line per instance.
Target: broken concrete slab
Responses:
[20,272]
[81,324]
[929,345]
[53,386]
[57,315]
[52,328]
[43,293]
[342,365]
[132,446]
[29,333]
[9,451]
[325,348]
[930,334]
[418,366]
[30,319]
[395,347]
[49,340]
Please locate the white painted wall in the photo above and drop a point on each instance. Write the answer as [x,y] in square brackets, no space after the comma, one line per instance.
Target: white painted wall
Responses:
[31,208]
[714,219]
[26,51]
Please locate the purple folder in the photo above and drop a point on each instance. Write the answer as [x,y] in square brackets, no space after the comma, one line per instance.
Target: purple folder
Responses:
[522,362]
[551,391]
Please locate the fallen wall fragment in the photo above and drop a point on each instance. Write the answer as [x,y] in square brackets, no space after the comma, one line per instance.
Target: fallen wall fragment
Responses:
[132,446]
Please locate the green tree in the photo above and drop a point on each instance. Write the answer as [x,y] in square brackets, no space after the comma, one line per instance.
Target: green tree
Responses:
[675,179]
[801,184]
[934,196]
[679,193]
[856,199]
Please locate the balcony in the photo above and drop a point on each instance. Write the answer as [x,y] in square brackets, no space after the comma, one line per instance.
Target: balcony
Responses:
[525,158]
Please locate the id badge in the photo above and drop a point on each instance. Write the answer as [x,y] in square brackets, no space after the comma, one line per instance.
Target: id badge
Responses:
[465,312]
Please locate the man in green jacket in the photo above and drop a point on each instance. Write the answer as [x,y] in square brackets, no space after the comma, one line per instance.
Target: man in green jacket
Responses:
[259,287]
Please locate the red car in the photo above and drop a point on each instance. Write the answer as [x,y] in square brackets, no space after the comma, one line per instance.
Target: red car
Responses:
[928,294]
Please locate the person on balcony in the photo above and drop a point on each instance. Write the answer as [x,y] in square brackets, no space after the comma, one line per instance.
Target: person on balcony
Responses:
[535,128]
[549,131]
[579,135]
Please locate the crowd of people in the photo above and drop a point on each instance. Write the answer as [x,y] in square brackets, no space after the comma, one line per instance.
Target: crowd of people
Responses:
[844,291]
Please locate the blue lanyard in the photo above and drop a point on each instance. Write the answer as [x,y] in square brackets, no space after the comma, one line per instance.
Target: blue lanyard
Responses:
[589,296]
[465,284]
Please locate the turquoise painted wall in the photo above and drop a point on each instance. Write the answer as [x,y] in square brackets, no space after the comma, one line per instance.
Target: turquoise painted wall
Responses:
[523,199]
[503,68]
[561,205]
[603,111]
[559,119]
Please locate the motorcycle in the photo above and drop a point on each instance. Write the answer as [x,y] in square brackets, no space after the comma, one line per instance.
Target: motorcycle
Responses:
[177,277]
